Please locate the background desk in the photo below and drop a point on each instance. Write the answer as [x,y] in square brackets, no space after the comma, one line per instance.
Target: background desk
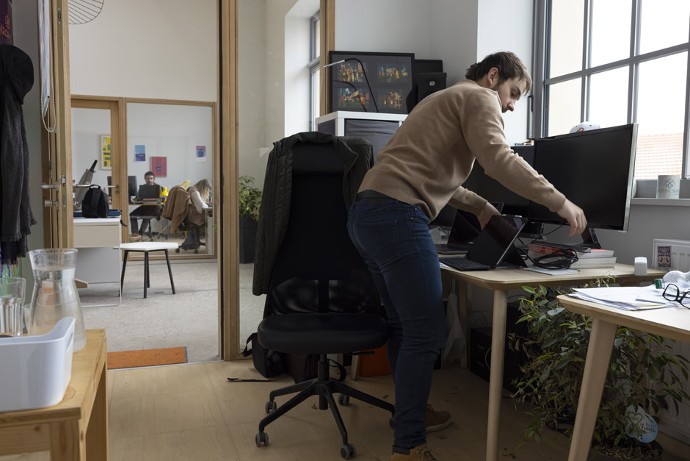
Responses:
[502,280]
[75,429]
[672,323]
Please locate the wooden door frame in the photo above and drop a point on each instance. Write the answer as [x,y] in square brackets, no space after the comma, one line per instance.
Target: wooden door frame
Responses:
[58,154]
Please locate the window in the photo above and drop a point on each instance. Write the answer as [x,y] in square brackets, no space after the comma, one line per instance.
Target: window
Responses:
[614,62]
[314,70]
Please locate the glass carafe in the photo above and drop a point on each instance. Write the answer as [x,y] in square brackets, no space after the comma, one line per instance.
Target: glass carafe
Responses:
[55,292]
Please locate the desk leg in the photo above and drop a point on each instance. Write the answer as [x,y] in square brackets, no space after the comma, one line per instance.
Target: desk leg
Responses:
[146,272]
[124,266]
[66,443]
[167,260]
[97,432]
[598,357]
[498,332]
[464,302]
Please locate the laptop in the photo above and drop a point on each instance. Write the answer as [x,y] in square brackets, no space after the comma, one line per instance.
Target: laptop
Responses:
[149,191]
[493,247]
[464,230]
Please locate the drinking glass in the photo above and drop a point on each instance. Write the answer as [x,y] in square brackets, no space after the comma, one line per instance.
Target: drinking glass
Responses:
[12,292]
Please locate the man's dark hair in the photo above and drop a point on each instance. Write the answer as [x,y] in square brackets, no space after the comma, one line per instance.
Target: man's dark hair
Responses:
[508,65]
[149,173]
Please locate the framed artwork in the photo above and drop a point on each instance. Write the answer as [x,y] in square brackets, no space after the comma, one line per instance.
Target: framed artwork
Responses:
[159,166]
[106,159]
[139,153]
[370,82]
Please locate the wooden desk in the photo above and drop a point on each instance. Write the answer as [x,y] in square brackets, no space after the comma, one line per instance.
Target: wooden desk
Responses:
[75,429]
[672,323]
[502,280]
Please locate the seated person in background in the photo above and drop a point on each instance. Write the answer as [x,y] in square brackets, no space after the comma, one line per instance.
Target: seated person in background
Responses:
[145,212]
[199,196]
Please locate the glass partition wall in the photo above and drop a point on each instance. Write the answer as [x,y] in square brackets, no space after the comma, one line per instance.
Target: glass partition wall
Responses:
[175,142]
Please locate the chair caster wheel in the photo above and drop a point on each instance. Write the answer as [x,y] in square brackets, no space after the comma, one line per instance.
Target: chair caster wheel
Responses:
[261,439]
[347,451]
[196,251]
[271,406]
[344,400]
[177,250]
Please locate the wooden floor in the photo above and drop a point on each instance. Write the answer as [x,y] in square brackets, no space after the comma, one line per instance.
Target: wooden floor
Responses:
[191,412]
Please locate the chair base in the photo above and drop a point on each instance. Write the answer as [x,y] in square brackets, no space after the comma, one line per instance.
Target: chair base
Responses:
[323,387]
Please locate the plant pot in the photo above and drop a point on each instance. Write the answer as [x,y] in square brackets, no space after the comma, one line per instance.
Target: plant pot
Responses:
[652,451]
[248,227]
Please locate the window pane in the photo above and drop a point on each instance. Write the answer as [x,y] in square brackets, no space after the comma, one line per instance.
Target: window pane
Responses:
[661,118]
[608,97]
[567,18]
[315,95]
[610,31]
[663,23]
[317,39]
[564,106]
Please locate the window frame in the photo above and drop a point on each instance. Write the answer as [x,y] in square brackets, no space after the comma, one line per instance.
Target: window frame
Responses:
[314,65]
[539,119]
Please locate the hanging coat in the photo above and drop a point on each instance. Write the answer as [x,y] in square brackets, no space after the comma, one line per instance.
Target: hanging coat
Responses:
[16,79]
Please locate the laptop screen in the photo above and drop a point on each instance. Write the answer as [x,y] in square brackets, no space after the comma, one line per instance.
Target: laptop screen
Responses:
[149,191]
[496,239]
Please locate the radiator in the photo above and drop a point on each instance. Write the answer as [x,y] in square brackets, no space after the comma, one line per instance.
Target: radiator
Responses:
[677,426]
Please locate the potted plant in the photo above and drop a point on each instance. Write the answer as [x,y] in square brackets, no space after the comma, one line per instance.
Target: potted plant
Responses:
[250,203]
[644,377]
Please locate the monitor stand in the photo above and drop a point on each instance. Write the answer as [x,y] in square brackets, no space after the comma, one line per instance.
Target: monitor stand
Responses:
[589,238]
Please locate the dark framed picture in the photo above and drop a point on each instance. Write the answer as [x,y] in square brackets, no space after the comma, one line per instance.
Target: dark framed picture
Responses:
[370,82]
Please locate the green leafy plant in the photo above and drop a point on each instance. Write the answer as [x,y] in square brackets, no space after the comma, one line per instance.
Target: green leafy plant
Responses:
[250,198]
[643,373]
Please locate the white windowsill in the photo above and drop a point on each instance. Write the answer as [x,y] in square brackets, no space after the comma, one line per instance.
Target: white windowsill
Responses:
[661,201]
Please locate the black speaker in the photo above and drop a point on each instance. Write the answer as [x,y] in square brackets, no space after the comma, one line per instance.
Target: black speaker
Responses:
[430,83]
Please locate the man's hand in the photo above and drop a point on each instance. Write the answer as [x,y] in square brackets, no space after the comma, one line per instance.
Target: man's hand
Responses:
[575,217]
[486,214]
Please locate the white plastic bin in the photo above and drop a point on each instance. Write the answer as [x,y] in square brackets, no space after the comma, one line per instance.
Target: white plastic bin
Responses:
[35,370]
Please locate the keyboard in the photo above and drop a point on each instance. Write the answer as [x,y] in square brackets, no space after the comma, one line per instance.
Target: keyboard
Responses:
[463,264]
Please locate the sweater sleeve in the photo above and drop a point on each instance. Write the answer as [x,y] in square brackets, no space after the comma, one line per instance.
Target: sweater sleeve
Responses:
[482,125]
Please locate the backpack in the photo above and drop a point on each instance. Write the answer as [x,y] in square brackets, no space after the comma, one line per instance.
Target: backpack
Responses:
[95,203]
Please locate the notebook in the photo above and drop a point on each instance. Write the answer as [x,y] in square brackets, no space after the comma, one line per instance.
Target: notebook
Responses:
[149,191]
[493,247]
[464,230]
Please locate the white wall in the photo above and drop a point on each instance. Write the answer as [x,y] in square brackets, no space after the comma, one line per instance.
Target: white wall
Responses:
[141,48]
[501,32]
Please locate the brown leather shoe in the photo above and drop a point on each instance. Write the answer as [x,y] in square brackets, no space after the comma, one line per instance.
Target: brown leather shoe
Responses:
[436,420]
[420,453]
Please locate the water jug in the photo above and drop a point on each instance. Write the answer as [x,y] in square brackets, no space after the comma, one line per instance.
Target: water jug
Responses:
[55,292]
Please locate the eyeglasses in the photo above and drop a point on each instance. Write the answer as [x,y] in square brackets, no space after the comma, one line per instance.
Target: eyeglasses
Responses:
[673,293]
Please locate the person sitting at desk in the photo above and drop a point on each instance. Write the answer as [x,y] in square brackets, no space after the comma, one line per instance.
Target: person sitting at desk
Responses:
[147,211]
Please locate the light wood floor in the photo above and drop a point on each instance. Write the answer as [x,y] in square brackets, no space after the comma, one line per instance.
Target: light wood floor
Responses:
[190,412]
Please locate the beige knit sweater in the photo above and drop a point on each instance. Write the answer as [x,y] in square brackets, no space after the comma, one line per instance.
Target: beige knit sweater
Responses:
[429,158]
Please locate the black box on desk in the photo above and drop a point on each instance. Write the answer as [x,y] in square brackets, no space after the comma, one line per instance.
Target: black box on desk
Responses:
[480,350]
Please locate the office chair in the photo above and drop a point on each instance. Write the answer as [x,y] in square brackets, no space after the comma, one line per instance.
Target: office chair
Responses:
[321,296]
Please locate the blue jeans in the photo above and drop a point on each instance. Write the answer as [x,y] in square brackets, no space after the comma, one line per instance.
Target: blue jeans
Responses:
[394,240]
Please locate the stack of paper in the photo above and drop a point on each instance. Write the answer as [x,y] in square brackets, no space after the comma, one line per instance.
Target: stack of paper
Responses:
[627,298]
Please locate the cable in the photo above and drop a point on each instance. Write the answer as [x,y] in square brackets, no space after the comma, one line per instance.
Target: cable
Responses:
[561,259]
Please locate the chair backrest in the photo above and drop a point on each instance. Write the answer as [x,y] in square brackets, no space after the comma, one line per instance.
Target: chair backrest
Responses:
[317,268]
[176,206]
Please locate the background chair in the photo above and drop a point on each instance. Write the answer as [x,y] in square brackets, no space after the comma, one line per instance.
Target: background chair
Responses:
[321,296]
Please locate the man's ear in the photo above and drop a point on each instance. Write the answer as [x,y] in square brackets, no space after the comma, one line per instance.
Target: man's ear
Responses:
[493,76]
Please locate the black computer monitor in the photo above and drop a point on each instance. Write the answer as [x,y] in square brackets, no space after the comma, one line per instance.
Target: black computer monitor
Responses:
[493,191]
[132,186]
[594,169]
